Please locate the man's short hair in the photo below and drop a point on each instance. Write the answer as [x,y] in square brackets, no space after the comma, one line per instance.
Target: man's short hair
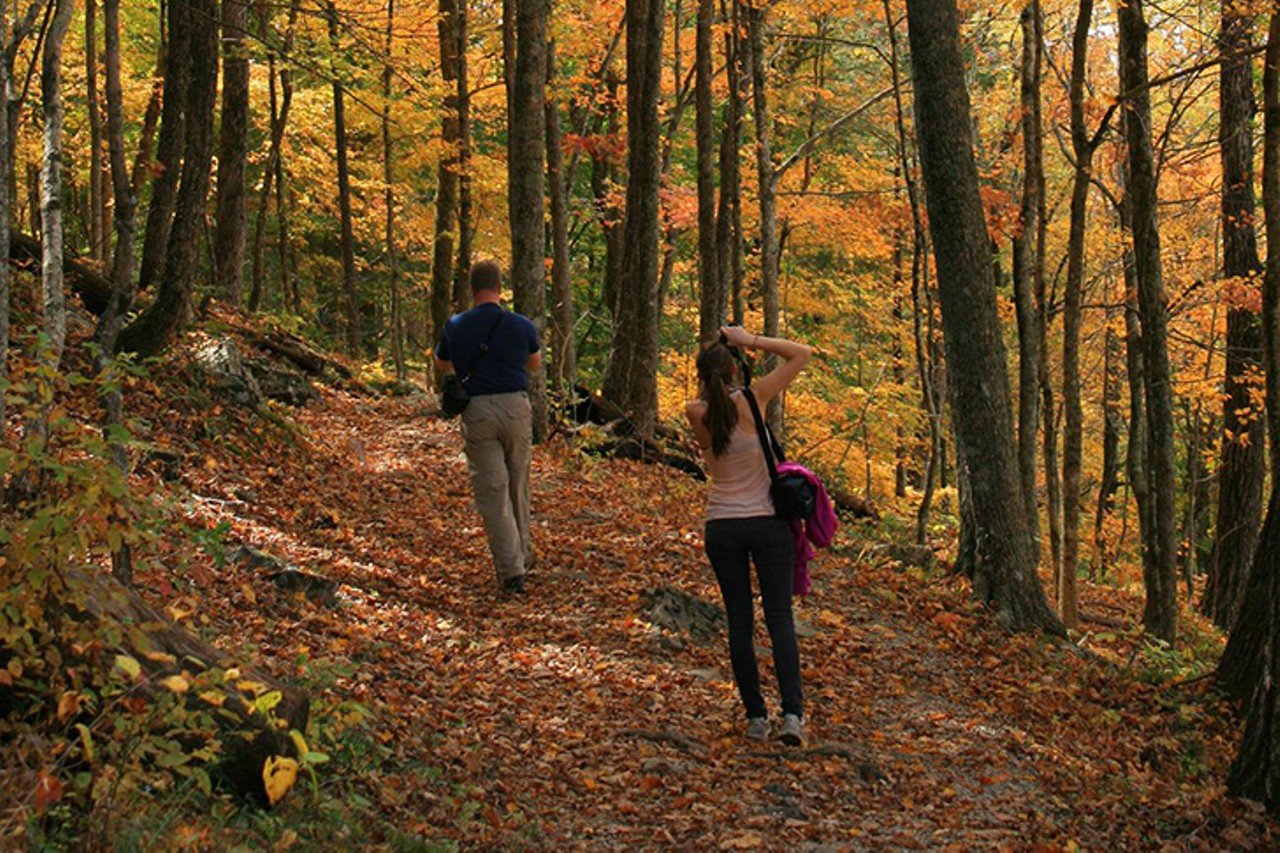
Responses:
[486,275]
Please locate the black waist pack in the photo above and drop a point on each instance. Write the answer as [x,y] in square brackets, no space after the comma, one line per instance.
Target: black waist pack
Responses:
[454,397]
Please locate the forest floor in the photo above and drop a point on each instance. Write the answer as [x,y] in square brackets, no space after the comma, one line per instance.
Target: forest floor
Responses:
[598,711]
[572,718]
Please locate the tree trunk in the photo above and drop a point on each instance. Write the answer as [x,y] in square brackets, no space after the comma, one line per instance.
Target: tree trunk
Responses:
[1024,262]
[1247,667]
[442,277]
[1110,481]
[97,196]
[6,192]
[631,379]
[713,300]
[168,161]
[1005,573]
[462,268]
[350,287]
[156,326]
[564,358]
[1160,553]
[1073,432]
[55,309]
[768,196]
[389,202]
[728,218]
[108,329]
[1242,465]
[527,170]
[233,147]
[142,164]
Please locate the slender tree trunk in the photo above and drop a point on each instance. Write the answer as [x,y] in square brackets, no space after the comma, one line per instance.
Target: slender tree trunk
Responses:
[168,160]
[52,245]
[156,326]
[563,352]
[767,192]
[1242,465]
[728,218]
[1073,432]
[1252,657]
[1160,565]
[122,269]
[97,196]
[389,201]
[350,287]
[528,169]
[6,192]
[603,177]
[1005,573]
[1024,262]
[631,379]
[442,277]
[151,118]
[712,295]
[462,268]
[1110,481]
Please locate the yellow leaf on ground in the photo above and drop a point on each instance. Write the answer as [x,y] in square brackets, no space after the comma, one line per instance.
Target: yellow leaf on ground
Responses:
[278,775]
[175,683]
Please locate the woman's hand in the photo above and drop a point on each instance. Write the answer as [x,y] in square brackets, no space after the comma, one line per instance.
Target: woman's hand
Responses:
[736,336]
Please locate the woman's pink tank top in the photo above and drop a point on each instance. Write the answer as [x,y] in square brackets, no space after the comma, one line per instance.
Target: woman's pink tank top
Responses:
[739,479]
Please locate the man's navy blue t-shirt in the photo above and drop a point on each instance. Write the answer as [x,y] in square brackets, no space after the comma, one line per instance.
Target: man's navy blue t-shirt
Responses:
[501,371]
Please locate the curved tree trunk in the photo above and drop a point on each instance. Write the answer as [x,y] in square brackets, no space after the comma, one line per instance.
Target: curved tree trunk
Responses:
[1005,573]
[168,160]
[1242,466]
[156,326]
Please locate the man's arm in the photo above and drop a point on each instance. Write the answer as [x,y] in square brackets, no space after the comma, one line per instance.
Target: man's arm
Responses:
[443,365]
[533,362]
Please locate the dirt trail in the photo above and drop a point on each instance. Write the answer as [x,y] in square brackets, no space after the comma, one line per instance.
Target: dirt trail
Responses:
[566,719]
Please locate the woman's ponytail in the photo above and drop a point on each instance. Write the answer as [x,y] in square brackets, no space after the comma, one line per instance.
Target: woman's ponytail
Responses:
[716,372]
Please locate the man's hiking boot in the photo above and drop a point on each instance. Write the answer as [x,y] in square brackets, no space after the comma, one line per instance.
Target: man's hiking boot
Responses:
[514,586]
[758,728]
[792,732]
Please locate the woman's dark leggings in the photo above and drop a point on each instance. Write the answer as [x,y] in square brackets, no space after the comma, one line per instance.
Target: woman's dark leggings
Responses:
[732,545]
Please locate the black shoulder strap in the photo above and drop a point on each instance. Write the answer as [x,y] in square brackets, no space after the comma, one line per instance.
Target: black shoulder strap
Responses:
[772,452]
[484,345]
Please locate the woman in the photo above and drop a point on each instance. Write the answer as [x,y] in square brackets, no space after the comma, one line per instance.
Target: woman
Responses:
[741,524]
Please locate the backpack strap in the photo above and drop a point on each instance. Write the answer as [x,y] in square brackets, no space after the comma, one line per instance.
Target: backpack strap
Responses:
[772,453]
[484,344]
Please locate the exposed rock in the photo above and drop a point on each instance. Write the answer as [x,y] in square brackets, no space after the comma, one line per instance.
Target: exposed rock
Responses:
[282,384]
[682,613]
[220,359]
[287,576]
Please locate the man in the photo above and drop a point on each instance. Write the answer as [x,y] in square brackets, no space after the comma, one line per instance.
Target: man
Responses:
[497,425]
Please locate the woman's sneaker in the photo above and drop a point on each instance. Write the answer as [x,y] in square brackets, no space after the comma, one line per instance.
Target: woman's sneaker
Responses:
[758,728]
[792,732]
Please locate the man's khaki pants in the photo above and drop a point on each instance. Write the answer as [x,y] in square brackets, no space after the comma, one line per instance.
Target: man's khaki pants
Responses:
[498,429]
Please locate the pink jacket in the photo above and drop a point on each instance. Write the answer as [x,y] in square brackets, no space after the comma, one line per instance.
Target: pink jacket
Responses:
[815,532]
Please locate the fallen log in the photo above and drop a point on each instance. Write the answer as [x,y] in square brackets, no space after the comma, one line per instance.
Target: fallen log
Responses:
[93,288]
[848,503]
[293,349]
[251,737]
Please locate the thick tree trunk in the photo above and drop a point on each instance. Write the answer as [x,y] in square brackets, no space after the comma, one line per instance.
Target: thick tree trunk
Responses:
[564,357]
[1024,262]
[1160,551]
[1242,465]
[233,147]
[350,287]
[1247,667]
[713,300]
[631,379]
[1005,574]
[168,160]
[442,277]
[1073,432]
[156,326]
[527,170]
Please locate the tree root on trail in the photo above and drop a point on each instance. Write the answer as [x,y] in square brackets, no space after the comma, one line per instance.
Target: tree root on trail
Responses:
[684,743]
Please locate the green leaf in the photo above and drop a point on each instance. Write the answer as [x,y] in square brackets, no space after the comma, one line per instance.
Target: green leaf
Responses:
[128,665]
